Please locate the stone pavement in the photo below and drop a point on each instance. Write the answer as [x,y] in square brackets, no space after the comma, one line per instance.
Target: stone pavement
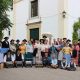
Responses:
[38,74]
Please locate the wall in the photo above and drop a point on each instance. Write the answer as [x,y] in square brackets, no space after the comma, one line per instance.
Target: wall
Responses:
[50,15]
[21,14]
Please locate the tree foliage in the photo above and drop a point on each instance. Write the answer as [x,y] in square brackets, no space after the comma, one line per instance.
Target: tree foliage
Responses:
[5,6]
[76,26]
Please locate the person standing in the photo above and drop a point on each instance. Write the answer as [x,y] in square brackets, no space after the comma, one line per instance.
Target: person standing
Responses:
[54,55]
[17,45]
[38,55]
[5,43]
[74,52]
[60,58]
[29,48]
[67,54]
[45,53]
[42,49]
[30,51]
[13,50]
[77,49]
[22,49]
[35,50]
[53,51]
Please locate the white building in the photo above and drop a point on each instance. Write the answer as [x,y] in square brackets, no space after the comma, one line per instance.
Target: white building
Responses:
[32,18]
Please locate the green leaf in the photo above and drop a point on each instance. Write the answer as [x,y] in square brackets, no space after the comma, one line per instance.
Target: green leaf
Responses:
[76,26]
[5,5]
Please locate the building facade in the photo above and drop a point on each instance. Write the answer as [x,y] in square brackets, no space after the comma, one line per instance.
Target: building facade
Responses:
[32,18]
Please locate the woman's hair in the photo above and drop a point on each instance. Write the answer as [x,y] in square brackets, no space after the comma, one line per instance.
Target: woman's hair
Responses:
[41,41]
[70,45]
[9,51]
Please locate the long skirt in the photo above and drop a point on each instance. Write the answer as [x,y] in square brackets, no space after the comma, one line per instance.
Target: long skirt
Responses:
[75,56]
[76,59]
[68,59]
[54,61]
[1,58]
[38,56]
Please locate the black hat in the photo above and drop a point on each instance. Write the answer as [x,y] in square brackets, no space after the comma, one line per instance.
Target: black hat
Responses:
[12,40]
[17,40]
[6,38]
[44,36]
[78,39]
[68,40]
[24,40]
[41,39]
[64,38]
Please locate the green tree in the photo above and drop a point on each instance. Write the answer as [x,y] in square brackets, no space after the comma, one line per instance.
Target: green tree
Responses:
[76,26]
[5,6]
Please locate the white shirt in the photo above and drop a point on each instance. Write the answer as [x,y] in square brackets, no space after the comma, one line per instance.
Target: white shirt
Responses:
[37,45]
[44,46]
[29,48]
[13,47]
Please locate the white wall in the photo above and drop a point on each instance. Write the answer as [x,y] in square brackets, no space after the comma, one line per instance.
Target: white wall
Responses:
[49,16]
[21,14]
[49,13]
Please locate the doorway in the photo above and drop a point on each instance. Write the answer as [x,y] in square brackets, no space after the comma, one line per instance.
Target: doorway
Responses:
[34,33]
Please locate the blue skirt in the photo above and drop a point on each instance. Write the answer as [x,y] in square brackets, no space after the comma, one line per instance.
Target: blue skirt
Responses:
[68,58]
[1,58]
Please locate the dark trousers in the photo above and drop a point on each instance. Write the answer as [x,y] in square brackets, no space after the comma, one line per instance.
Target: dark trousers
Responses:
[59,64]
[42,54]
[46,61]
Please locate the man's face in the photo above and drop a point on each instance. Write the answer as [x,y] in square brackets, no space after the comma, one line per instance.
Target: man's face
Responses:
[78,41]
[37,42]
[12,42]
[45,42]
[29,42]
[41,41]
[57,39]
[6,39]
[52,44]
[17,42]
[65,40]
[54,40]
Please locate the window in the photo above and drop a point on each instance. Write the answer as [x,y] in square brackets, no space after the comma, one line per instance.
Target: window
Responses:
[34,8]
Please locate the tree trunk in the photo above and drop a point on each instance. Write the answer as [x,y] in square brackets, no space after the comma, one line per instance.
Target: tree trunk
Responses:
[1,35]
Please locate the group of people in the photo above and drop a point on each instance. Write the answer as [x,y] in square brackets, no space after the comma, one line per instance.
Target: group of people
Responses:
[58,53]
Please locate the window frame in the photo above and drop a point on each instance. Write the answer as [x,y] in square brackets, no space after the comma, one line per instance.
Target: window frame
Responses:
[30,17]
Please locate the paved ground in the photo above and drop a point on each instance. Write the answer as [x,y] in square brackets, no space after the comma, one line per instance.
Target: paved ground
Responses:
[38,74]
